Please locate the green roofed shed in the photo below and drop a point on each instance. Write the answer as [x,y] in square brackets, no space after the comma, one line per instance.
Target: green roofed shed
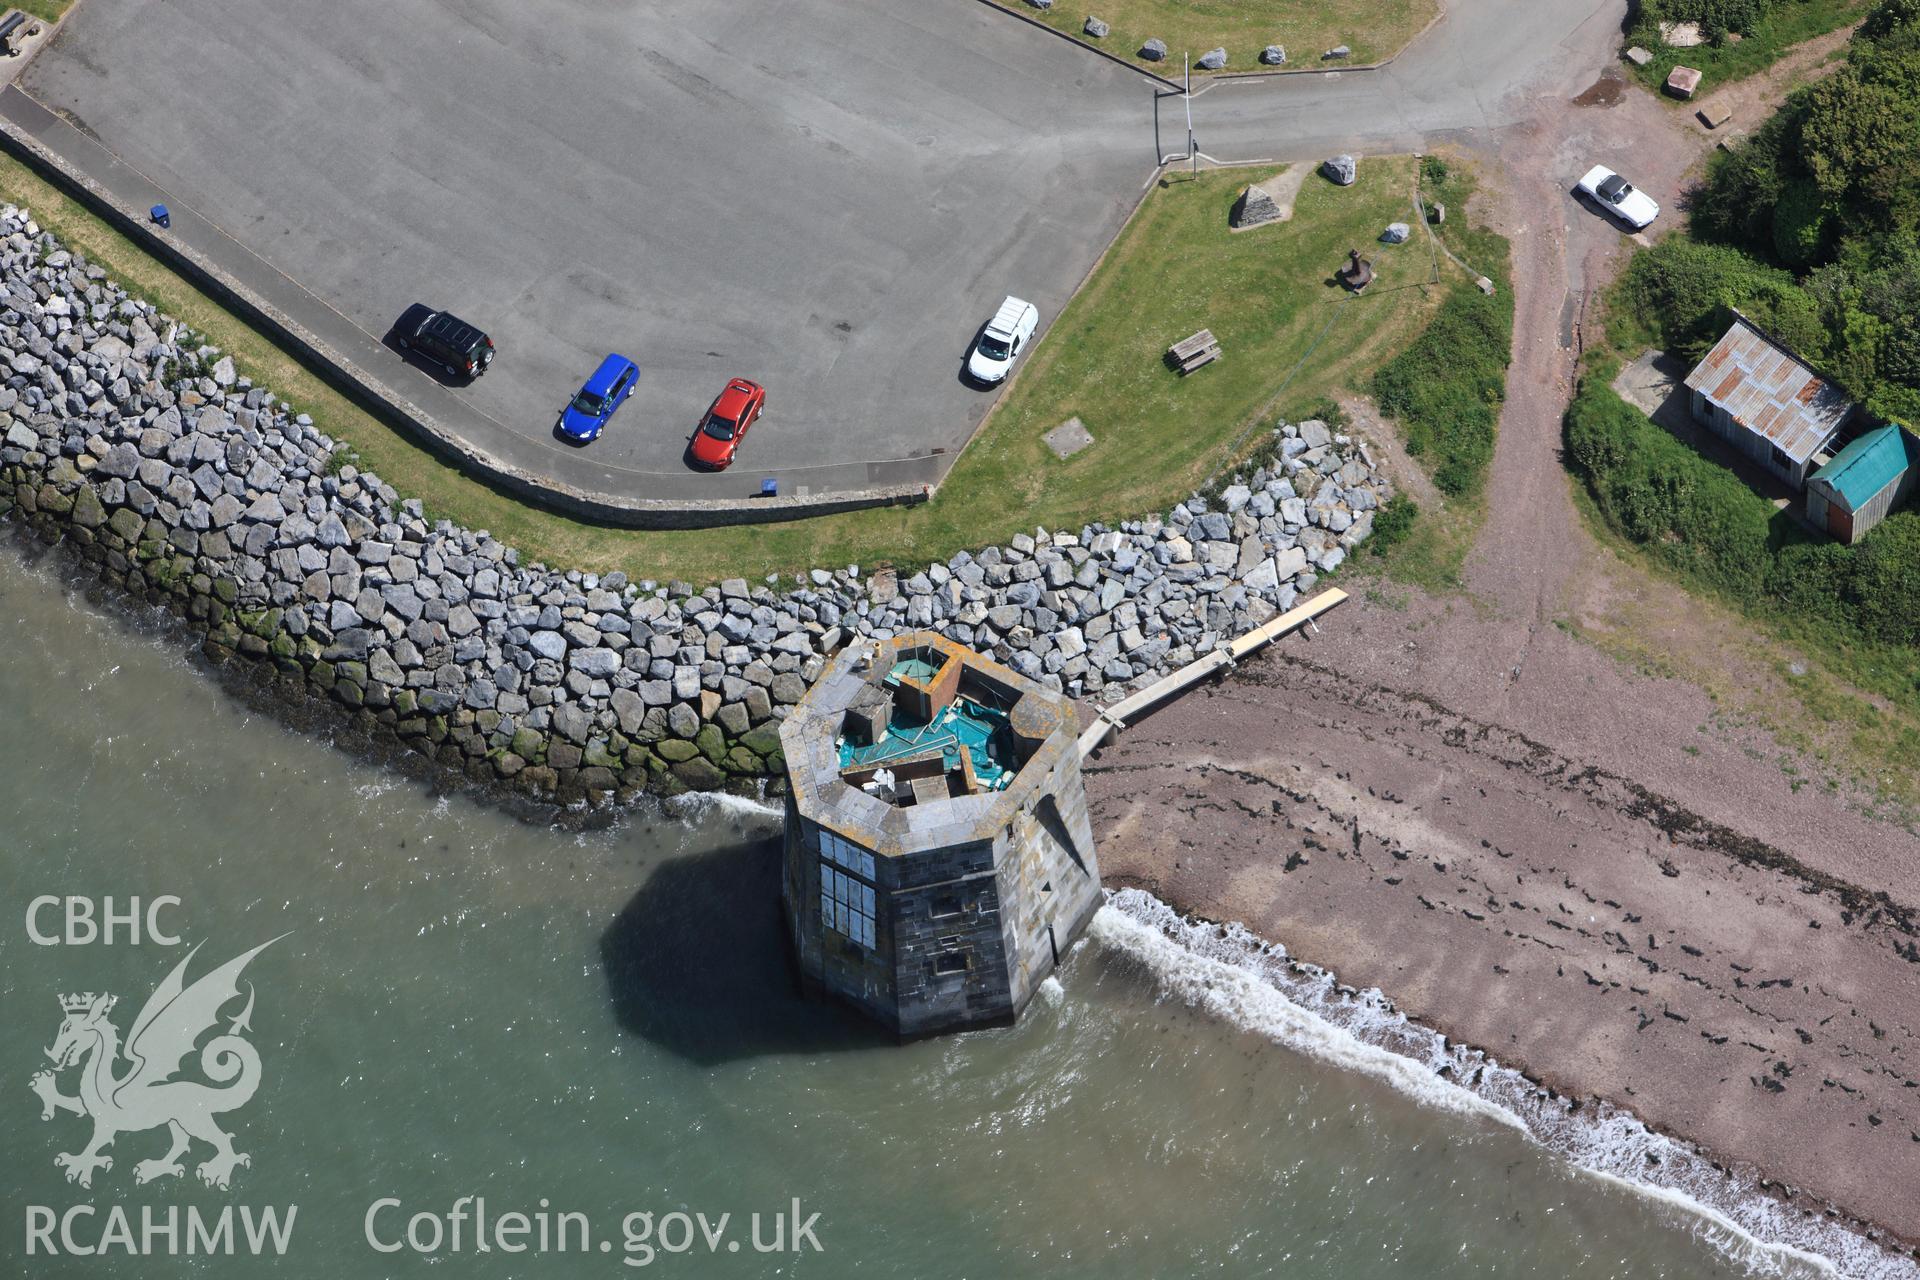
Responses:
[1864,482]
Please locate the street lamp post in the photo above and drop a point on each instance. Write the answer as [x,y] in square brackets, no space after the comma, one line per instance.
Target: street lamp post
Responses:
[1193,154]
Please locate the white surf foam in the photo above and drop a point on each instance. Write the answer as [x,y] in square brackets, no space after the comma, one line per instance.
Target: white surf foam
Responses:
[697,806]
[1229,973]
[1239,994]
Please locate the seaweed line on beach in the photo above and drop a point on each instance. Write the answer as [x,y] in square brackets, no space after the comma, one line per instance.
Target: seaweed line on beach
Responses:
[1684,828]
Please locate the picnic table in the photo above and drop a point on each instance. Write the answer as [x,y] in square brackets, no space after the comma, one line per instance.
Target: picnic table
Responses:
[1195,352]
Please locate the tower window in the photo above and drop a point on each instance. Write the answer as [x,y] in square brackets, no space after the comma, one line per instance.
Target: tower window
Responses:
[846,855]
[846,906]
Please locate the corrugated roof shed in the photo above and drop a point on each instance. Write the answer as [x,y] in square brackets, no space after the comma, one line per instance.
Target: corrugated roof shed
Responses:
[1770,392]
[1870,464]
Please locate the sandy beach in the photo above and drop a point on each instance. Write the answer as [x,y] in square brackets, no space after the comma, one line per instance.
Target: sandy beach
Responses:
[1753,992]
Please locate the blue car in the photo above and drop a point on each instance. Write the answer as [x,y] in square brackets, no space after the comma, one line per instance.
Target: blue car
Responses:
[586,416]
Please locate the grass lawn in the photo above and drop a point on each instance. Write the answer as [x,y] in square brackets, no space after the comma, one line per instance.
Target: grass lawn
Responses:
[1432,555]
[1288,336]
[48,9]
[1287,332]
[1373,29]
[1787,24]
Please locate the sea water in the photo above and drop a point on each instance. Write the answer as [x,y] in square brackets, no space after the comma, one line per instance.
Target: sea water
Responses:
[463,1017]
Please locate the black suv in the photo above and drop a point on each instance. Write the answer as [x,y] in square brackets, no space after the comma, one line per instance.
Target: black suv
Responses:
[445,339]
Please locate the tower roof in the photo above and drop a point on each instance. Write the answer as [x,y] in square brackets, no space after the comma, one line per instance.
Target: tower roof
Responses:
[916,742]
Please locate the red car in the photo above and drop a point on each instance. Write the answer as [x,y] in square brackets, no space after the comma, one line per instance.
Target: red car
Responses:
[726,424]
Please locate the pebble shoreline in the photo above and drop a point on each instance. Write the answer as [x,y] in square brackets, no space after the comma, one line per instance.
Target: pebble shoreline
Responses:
[188,487]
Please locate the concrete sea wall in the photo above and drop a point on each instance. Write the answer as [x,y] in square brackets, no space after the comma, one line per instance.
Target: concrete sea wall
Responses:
[183,485]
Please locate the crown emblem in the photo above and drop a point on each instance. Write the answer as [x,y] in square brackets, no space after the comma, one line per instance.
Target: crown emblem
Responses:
[150,1092]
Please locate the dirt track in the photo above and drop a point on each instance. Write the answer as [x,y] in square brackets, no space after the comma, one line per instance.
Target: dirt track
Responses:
[1531,846]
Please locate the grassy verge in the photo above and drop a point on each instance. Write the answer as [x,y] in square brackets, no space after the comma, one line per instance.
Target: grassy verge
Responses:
[1445,390]
[1449,180]
[1784,24]
[1174,269]
[1422,547]
[48,9]
[1373,29]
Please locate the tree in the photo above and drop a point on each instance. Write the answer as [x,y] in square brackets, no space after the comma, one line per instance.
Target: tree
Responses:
[1687,291]
[1856,138]
[1890,17]
[1800,225]
[1735,205]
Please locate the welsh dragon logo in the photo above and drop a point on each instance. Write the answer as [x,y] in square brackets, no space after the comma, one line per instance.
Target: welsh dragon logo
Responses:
[146,1095]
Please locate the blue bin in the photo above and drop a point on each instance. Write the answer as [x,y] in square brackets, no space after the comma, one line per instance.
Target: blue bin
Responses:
[161,216]
[769,488]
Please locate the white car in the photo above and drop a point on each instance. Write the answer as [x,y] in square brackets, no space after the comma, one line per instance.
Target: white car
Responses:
[1004,338]
[1616,195]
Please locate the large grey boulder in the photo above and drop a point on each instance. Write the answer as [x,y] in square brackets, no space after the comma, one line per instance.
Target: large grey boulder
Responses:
[630,709]
[1288,562]
[1264,202]
[1341,169]
[598,663]
[1041,4]
[1095,28]
[572,722]
[1264,576]
[121,461]
[1255,206]
[1154,50]
[1212,60]
[1273,55]
[265,509]
[1396,233]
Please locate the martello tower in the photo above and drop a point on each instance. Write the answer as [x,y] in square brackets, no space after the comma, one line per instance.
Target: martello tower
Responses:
[939,858]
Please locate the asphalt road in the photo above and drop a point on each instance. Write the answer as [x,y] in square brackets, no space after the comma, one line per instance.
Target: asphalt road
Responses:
[1486,65]
[827,196]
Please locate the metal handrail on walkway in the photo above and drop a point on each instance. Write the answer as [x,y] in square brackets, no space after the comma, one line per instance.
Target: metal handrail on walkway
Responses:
[1115,718]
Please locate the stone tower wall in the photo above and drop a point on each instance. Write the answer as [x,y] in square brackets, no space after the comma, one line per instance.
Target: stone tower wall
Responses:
[950,955]
[1050,879]
[973,899]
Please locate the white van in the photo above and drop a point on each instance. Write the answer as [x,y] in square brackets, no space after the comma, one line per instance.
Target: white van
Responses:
[1004,338]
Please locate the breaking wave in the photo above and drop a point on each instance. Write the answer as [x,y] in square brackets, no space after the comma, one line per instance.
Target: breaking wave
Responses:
[694,807]
[1228,973]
